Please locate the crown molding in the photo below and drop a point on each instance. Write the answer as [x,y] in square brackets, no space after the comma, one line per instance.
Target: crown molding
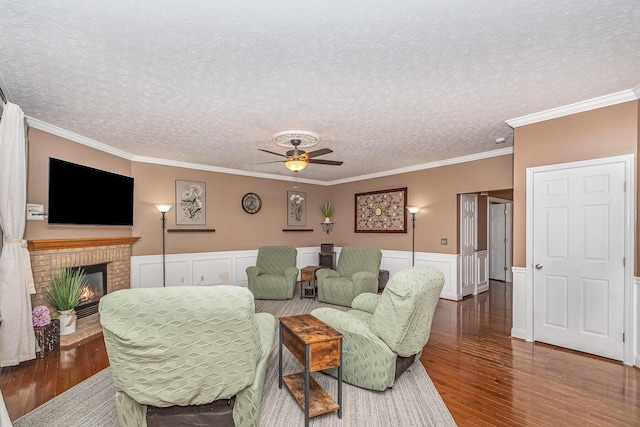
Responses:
[578,107]
[63,133]
[470,158]
[208,168]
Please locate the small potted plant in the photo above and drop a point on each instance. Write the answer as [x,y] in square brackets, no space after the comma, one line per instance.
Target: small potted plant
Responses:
[66,290]
[327,211]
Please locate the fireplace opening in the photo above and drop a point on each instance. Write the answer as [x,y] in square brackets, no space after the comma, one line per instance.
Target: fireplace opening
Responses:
[97,287]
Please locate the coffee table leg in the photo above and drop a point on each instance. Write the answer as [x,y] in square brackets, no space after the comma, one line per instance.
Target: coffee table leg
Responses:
[306,385]
[280,359]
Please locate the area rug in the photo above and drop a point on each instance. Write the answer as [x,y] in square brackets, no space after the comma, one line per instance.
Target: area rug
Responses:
[413,400]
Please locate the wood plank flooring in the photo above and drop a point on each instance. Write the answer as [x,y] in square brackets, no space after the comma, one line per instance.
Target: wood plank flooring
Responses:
[484,377]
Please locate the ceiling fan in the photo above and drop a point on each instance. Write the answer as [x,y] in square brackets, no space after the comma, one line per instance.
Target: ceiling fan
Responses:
[297,160]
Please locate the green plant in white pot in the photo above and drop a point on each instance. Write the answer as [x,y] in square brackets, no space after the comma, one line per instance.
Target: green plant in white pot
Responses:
[66,290]
[327,211]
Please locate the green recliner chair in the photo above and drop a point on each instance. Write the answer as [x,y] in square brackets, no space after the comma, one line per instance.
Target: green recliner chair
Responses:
[385,334]
[187,355]
[356,272]
[275,274]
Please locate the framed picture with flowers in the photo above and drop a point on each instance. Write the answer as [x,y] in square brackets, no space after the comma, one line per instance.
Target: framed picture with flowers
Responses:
[296,208]
[191,203]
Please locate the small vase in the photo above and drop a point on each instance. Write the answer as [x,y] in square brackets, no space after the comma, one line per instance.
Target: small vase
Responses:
[67,321]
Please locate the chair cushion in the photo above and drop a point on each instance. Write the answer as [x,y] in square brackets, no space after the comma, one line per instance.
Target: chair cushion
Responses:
[276,259]
[407,305]
[354,259]
[166,344]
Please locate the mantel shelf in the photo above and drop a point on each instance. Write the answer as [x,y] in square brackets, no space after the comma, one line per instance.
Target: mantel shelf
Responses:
[297,229]
[191,230]
[54,244]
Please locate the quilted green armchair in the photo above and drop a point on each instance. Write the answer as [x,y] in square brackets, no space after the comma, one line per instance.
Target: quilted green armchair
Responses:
[275,274]
[356,272]
[187,355]
[385,334]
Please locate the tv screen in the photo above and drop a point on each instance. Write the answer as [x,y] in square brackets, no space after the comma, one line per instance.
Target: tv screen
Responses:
[83,195]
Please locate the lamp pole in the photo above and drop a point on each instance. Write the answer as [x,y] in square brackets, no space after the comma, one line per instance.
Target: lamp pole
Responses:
[413,211]
[163,211]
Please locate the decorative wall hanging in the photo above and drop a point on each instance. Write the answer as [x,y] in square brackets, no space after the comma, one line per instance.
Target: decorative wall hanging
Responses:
[191,203]
[296,208]
[381,211]
[251,203]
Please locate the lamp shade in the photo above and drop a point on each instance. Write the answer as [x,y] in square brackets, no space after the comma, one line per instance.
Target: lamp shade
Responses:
[163,208]
[413,209]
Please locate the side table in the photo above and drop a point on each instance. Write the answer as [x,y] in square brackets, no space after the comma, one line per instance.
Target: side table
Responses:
[308,274]
[316,346]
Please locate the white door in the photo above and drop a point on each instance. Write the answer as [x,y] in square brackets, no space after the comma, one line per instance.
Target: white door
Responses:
[468,242]
[578,258]
[497,246]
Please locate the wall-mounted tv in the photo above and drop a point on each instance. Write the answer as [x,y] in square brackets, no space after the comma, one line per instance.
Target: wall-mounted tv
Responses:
[82,195]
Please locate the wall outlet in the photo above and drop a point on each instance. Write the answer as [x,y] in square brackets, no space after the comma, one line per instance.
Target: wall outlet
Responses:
[444,241]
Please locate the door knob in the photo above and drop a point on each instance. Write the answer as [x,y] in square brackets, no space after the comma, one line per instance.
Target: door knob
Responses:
[538,266]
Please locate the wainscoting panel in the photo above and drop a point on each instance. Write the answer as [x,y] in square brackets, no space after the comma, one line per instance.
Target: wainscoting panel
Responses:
[519,309]
[228,267]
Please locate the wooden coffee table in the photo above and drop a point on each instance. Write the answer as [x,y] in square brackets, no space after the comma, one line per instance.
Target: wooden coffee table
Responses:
[317,346]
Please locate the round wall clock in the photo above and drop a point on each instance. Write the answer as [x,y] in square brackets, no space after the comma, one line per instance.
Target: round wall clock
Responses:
[251,203]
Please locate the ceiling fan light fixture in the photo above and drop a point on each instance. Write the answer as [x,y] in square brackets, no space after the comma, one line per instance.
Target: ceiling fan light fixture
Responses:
[295,165]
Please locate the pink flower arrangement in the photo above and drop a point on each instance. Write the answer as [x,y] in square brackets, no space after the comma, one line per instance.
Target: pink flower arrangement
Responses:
[41,316]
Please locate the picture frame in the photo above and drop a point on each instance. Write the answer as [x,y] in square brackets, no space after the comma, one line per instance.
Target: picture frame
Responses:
[296,208]
[383,211]
[191,203]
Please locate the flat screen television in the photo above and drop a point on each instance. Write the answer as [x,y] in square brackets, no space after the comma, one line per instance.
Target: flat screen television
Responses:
[82,195]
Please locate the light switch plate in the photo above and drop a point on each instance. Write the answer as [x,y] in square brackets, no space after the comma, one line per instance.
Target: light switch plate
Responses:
[35,212]
[444,241]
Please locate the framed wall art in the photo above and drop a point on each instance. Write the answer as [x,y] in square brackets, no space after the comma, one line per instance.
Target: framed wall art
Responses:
[382,211]
[191,203]
[296,208]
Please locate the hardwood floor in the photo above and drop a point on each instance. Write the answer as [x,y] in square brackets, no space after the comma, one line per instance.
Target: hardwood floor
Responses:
[484,377]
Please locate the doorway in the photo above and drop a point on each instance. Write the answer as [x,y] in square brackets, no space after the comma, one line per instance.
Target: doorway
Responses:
[500,242]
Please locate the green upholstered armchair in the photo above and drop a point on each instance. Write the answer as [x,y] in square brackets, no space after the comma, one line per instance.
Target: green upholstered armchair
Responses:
[385,334]
[356,272]
[186,352]
[275,274]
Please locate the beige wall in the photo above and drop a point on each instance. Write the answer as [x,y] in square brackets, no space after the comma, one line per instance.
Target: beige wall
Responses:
[43,145]
[604,132]
[235,229]
[435,190]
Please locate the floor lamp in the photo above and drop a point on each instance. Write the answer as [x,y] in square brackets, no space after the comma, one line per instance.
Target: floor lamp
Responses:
[163,210]
[413,211]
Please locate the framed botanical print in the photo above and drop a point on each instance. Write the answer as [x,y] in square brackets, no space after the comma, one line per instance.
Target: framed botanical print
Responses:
[296,208]
[191,203]
[382,211]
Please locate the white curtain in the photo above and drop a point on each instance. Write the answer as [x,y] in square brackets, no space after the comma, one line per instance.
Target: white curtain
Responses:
[17,339]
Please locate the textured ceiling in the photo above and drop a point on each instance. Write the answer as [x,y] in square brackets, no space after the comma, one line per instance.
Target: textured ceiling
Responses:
[386,84]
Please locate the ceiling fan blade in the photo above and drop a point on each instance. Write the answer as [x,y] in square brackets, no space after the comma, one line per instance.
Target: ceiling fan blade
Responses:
[320,152]
[272,152]
[265,163]
[325,162]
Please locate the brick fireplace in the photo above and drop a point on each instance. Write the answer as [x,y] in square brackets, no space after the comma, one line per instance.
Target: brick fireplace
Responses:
[48,257]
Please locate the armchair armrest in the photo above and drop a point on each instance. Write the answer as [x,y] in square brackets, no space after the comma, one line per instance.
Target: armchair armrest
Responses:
[291,273]
[364,281]
[253,272]
[325,273]
[366,302]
